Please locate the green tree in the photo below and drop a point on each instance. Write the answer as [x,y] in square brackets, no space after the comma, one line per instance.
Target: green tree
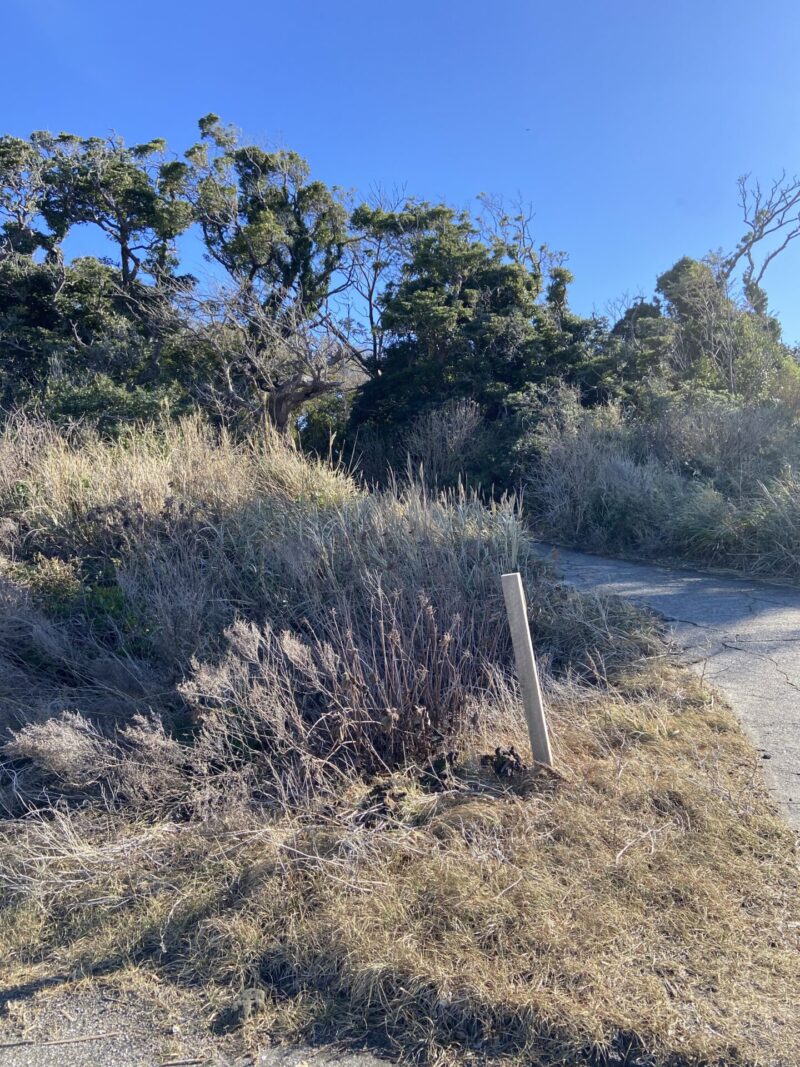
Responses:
[696,333]
[23,185]
[457,310]
[467,318]
[66,323]
[383,233]
[716,341]
[280,238]
[132,194]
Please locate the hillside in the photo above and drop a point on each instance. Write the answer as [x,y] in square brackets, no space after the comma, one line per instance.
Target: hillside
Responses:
[250,713]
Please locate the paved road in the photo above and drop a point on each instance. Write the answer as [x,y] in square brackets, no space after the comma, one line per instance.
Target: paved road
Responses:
[743,635]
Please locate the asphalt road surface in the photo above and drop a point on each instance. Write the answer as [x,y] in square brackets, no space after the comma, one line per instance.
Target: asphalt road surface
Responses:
[743,635]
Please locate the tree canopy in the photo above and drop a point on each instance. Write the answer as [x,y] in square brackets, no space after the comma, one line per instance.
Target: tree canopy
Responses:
[326,313]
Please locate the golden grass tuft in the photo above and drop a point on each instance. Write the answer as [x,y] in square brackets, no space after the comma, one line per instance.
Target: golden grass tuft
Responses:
[50,479]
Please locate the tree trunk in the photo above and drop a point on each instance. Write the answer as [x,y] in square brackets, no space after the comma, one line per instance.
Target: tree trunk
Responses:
[279,409]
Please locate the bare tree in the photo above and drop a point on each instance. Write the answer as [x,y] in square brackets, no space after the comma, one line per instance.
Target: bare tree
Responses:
[264,365]
[386,225]
[510,227]
[772,218]
[622,308]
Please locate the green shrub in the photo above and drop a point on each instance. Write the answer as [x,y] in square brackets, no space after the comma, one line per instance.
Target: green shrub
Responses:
[110,406]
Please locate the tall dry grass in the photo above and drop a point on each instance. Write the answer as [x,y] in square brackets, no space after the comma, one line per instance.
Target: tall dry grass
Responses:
[224,673]
[203,577]
[699,480]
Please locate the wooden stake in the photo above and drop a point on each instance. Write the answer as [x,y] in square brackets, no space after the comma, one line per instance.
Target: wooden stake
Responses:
[517,611]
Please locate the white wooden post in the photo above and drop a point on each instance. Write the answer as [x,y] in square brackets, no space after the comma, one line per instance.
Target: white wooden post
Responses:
[526,668]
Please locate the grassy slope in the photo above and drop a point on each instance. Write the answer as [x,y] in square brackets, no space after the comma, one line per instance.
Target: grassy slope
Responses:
[644,898]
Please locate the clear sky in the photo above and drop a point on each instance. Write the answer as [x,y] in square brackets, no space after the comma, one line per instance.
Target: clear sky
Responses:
[625,123]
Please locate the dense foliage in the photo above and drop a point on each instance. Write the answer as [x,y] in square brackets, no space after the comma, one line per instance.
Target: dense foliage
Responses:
[393,331]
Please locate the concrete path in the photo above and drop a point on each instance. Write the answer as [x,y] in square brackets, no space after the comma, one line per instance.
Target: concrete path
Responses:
[744,636]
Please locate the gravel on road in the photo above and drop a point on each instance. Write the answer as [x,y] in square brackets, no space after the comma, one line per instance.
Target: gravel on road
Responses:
[98,1026]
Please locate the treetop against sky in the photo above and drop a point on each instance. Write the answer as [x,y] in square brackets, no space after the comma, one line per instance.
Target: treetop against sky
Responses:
[625,125]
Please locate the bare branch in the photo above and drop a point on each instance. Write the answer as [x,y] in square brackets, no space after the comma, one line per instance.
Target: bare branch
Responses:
[264,364]
[770,216]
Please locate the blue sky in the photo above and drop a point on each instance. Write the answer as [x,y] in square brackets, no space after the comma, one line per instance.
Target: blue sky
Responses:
[625,123]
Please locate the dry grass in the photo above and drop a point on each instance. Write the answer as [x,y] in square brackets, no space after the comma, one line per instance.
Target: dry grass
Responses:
[646,900]
[222,673]
[701,481]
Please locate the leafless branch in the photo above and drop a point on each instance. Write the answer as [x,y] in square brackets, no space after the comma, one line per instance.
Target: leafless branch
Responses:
[772,220]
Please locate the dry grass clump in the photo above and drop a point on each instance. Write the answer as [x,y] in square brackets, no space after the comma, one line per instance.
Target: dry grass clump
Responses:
[62,488]
[702,480]
[224,674]
[51,662]
[150,551]
[642,904]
